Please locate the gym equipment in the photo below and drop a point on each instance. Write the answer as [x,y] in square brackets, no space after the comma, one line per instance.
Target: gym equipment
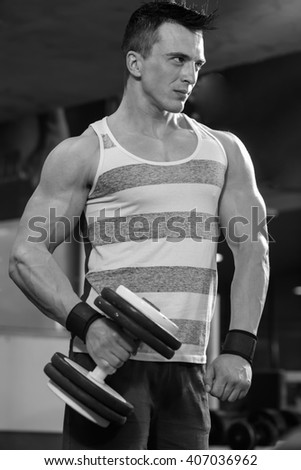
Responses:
[142,305]
[263,428]
[142,323]
[243,430]
[221,420]
[86,391]
[244,435]
[283,420]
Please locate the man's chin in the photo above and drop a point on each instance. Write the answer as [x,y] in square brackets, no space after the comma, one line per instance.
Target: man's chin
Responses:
[176,107]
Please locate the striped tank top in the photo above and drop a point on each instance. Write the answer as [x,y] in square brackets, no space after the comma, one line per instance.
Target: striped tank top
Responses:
[153,227]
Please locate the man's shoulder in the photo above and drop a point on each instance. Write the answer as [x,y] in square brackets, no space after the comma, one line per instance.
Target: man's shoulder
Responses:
[81,146]
[74,158]
[231,143]
[224,136]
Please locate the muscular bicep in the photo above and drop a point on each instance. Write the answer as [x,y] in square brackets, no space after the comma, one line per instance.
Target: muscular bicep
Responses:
[242,211]
[57,203]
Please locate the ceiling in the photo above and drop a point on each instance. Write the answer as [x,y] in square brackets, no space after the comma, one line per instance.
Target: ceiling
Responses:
[64,53]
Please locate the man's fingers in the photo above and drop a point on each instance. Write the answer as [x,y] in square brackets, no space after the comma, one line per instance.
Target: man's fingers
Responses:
[208,379]
[228,378]
[111,360]
[122,338]
[217,389]
[128,343]
[243,393]
[106,367]
[233,396]
[228,391]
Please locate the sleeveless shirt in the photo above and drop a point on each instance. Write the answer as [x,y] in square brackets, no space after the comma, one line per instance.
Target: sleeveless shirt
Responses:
[153,227]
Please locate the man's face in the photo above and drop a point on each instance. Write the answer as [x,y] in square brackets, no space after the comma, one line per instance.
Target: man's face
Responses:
[170,72]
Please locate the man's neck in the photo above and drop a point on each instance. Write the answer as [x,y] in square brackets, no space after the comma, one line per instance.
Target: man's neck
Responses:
[138,116]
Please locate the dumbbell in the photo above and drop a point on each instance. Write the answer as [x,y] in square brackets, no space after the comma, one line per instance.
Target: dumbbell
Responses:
[221,420]
[283,420]
[261,429]
[86,391]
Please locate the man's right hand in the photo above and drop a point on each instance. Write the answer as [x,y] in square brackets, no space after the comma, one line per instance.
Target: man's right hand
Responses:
[108,345]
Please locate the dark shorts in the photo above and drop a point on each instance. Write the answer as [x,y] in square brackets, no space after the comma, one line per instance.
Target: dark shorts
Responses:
[171,409]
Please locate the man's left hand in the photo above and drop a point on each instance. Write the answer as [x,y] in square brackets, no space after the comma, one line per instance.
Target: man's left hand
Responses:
[228,377]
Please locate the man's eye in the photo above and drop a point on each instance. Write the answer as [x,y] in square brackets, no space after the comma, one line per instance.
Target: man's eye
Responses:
[179,60]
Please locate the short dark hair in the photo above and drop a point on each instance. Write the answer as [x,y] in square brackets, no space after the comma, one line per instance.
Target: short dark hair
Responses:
[142,29]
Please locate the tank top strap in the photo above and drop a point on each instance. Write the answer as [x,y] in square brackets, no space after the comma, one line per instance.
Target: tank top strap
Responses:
[205,132]
[100,130]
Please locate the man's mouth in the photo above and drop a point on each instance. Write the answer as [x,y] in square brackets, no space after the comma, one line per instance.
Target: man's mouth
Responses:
[183,92]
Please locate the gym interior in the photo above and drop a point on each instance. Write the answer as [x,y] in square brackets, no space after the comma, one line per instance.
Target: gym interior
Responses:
[61,70]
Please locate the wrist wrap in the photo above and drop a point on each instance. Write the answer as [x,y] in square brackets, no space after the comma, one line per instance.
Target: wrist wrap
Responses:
[80,318]
[241,343]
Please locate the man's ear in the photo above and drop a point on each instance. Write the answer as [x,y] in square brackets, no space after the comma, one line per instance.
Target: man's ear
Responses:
[134,63]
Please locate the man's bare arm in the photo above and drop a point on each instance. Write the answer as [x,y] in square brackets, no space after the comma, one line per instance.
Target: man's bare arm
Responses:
[65,182]
[241,212]
[62,192]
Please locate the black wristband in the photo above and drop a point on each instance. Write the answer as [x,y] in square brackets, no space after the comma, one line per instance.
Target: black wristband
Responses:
[80,318]
[241,343]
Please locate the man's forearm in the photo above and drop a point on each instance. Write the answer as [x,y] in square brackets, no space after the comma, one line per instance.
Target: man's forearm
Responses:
[37,274]
[249,285]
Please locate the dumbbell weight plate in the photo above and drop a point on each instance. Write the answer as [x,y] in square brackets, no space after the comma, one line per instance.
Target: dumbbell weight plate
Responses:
[81,396]
[221,420]
[245,436]
[132,327]
[102,392]
[148,309]
[267,432]
[140,318]
[241,436]
[272,415]
[77,406]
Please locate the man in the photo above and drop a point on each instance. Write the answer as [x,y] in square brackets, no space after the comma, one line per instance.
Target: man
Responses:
[152,183]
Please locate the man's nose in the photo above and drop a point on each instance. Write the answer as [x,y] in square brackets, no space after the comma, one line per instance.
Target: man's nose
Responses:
[190,73]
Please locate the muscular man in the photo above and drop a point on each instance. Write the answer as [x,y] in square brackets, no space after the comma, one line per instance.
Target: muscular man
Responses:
[154,185]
